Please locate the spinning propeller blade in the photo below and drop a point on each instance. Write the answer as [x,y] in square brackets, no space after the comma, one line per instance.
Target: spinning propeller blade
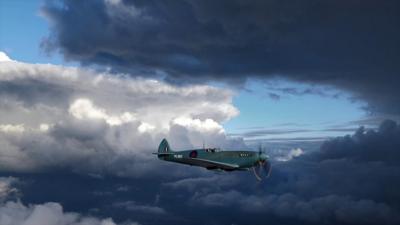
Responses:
[267,168]
[263,167]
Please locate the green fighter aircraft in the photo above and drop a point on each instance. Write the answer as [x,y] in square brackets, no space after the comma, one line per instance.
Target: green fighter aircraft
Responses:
[216,159]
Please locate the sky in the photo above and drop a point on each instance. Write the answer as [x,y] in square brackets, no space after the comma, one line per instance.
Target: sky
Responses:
[89,88]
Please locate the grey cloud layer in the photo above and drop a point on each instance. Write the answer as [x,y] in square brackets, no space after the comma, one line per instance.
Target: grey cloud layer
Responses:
[351,45]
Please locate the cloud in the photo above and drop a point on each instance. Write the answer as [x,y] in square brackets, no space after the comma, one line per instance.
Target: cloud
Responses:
[50,213]
[133,206]
[335,209]
[10,128]
[366,145]
[84,109]
[321,185]
[59,120]
[348,180]
[202,184]
[264,132]
[4,57]
[295,152]
[15,213]
[56,117]
[350,45]
[6,188]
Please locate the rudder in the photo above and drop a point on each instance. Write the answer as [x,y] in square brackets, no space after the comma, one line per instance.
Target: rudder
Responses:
[164,147]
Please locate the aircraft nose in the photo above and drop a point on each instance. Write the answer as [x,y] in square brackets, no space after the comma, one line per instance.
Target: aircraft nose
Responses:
[264,157]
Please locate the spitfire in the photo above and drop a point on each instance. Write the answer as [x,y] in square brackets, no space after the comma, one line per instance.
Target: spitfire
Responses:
[216,159]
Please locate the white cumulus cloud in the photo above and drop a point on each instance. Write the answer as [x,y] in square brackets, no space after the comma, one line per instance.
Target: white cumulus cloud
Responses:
[93,122]
[293,153]
[4,57]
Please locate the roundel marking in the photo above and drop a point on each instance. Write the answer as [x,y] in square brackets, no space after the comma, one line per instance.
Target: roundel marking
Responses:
[193,154]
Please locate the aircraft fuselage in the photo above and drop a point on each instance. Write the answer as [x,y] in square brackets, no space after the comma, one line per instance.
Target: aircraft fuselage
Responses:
[244,159]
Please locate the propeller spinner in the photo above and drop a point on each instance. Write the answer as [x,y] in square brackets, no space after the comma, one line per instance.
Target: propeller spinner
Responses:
[262,167]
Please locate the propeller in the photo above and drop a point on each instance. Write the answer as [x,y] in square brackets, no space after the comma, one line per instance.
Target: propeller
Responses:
[262,167]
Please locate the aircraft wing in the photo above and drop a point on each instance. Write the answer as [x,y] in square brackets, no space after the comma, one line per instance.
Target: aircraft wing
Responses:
[211,163]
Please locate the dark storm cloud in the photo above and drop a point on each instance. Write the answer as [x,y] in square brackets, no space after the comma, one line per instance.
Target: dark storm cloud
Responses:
[366,145]
[327,208]
[349,44]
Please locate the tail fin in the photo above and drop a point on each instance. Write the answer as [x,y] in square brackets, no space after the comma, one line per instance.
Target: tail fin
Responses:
[164,150]
[164,147]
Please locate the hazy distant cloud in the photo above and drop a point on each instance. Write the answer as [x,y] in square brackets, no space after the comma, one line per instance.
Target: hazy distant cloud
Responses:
[274,96]
[83,121]
[301,89]
[265,132]
[352,45]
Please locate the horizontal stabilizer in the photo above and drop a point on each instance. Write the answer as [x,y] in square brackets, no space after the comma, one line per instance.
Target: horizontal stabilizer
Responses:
[163,153]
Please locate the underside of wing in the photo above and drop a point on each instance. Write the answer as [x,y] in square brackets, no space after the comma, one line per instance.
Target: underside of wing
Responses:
[213,164]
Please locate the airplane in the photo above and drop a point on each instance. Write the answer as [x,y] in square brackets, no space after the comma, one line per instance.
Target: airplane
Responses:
[216,159]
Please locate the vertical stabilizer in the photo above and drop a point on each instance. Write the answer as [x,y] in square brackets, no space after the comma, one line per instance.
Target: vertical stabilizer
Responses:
[164,147]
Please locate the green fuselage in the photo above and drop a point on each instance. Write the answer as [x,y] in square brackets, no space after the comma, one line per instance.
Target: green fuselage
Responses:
[243,159]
